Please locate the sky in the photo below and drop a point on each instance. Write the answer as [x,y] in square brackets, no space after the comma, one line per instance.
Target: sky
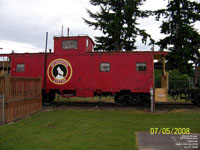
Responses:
[24,23]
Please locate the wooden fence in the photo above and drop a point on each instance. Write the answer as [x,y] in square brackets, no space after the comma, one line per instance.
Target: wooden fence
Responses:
[22,96]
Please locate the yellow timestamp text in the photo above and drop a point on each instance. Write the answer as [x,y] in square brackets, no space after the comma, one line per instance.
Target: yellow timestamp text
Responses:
[167,131]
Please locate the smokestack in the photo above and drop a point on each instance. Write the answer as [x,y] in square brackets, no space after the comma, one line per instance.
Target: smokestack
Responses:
[62,31]
[68,32]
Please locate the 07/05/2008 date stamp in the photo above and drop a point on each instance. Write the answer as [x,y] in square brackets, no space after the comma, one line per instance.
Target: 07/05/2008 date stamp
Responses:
[167,131]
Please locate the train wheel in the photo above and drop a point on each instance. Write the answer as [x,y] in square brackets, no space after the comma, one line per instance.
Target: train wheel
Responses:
[175,96]
[197,100]
[51,97]
[121,100]
[44,99]
[145,100]
[135,99]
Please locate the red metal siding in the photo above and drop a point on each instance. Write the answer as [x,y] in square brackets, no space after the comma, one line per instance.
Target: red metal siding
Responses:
[86,73]
[82,68]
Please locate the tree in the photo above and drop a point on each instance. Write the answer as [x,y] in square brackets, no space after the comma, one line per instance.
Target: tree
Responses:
[117,19]
[195,48]
[181,39]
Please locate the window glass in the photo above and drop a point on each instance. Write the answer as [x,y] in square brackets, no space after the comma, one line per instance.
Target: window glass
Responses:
[141,66]
[70,44]
[87,43]
[20,67]
[105,67]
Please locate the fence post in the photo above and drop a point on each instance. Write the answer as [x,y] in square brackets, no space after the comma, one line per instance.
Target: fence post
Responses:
[152,96]
[3,106]
[2,109]
[40,88]
[7,88]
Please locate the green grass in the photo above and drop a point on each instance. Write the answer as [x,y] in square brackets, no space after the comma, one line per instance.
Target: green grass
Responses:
[76,129]
[84,99]
[103,99]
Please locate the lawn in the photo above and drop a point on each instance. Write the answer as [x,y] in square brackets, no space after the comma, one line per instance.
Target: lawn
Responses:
[83,129]
[103,99]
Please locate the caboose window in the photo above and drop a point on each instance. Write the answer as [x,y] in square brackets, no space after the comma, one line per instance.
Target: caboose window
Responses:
[20,67]
[141,66]
[87,43]
[69,44]
[104,67]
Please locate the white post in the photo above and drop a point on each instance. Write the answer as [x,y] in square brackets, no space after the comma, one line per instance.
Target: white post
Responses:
[152,100]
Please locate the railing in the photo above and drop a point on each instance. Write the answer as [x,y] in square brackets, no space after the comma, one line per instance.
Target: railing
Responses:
[4,65]
[181,84]
[21,97]
[19,88]
[177,84]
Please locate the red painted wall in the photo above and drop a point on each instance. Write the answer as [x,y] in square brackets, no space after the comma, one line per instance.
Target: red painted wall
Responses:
[86,76]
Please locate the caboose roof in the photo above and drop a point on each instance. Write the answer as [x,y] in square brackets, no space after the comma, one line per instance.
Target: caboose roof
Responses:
[157,54]
[73,37]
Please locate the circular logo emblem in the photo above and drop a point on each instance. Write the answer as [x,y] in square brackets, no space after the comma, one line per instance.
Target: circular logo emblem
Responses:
[59,71]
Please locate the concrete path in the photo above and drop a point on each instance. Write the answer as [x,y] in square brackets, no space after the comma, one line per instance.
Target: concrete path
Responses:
[146,141]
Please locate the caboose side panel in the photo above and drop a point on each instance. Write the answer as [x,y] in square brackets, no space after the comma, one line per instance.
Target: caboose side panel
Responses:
[121,73]
[73,69]
[27,65]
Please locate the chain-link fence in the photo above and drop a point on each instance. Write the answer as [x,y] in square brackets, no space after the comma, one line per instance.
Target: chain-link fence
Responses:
[177,84]
[181,84]
[2,109]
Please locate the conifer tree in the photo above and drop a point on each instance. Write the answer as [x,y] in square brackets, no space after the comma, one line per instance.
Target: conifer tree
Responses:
[182,39]
[117,19]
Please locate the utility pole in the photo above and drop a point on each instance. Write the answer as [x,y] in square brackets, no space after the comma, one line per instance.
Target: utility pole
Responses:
[45,65]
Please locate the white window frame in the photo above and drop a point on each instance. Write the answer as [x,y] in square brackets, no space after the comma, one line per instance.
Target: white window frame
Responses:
[20,67]
[69,44]
[104,67]
[141,66]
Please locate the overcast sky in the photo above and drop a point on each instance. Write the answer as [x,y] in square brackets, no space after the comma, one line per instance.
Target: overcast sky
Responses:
[24,23]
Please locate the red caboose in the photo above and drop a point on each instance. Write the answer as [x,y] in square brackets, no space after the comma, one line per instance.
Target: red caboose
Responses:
[74,69]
